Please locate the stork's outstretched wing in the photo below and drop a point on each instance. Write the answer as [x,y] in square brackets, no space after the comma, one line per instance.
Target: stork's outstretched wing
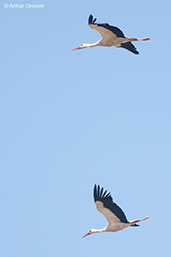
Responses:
[129,46]
[107,207]
[105,29]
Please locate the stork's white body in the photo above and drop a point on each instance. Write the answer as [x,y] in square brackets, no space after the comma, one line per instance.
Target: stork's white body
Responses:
[109,38]
[116,227]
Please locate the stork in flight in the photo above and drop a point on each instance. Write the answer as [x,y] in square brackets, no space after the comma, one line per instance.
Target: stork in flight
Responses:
[113,213]
[111,36]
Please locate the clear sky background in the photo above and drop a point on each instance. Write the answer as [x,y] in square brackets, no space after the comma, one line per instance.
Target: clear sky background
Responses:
[73,119]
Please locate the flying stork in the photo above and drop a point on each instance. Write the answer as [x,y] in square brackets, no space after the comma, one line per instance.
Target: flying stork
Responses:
[113,213]
[111,36]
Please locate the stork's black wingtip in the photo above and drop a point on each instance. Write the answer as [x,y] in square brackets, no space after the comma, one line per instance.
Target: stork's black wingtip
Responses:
[135,225]
[95,192]
[91,20]
[135,52]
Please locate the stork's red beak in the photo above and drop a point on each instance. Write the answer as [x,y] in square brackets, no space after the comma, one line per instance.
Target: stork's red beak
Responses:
[77,48]
[86,234]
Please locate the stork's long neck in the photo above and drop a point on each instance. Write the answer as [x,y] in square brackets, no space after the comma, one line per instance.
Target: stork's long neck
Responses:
[99,230]
[98,43]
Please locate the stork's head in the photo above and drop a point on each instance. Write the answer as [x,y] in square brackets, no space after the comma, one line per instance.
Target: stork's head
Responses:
[80,47]
[90,232]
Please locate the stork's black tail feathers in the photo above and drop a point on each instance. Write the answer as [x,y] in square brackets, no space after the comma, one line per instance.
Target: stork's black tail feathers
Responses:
[135,225]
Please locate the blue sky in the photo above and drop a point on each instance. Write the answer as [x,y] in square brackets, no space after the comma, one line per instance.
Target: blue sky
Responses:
[73,119]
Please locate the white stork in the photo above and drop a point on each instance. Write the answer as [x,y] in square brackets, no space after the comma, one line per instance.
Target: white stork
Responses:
[113,213]
[111,36]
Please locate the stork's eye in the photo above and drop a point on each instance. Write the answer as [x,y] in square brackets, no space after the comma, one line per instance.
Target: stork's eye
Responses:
[81,44]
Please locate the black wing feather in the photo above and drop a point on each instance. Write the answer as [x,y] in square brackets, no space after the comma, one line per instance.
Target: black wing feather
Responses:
[108,203]
[115,30]
[91,20]
[129,46]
